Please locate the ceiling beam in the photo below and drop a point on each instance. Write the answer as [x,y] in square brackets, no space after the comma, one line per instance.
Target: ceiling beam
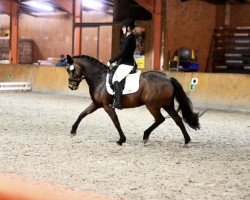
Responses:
[147,4]
[65,5]
[108,3]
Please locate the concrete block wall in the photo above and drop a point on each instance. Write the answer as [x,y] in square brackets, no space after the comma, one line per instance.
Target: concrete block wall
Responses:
[25,50]
[4,48]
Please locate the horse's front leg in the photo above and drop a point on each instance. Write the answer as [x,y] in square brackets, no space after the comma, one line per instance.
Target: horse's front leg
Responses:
[91,108]
[111,112]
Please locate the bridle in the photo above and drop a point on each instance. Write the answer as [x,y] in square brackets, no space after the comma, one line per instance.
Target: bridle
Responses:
[74,80]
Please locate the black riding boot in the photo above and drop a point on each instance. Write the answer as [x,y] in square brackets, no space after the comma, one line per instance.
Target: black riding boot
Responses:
[117,103]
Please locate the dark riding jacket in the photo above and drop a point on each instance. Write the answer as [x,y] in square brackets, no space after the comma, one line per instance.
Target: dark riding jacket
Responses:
[126,53]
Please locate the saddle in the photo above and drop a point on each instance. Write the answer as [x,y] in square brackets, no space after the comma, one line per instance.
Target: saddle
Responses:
[129,85]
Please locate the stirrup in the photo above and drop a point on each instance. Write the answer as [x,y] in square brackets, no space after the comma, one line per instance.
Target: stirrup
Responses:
[112,105]
[116,105]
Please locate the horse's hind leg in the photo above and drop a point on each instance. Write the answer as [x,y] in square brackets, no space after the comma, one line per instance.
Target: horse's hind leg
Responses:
[176,117]
[91,108]
[155,111]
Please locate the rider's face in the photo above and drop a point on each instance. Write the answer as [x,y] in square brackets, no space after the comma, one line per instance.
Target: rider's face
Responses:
[124,30]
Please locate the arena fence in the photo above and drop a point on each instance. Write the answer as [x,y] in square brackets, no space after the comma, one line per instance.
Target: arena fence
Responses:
[210,90]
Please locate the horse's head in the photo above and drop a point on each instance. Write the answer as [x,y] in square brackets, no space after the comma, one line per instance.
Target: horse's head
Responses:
[75,73]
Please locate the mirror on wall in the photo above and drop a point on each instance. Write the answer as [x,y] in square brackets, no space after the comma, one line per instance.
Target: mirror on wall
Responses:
[4,38]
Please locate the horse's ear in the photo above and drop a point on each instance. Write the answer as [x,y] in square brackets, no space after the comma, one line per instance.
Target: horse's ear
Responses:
[70,59]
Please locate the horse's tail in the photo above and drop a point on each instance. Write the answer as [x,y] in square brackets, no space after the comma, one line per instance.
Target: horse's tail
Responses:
[191,118]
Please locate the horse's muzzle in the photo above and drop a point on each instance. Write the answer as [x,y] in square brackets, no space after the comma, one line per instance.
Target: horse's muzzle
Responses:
[74,83]
[73,87]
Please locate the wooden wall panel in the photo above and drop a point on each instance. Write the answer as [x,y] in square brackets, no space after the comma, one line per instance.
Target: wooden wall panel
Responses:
[89,41]
[94,43]
[189,24]
[240,15]
[105,42]
[5,6]
[4,22]
[52,36]
[220,15]
[96,16]
[97,44]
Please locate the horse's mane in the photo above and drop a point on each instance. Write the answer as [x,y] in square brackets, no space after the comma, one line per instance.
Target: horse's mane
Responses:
[93,60]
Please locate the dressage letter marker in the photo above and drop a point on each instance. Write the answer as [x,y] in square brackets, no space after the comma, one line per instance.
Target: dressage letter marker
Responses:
[194,82]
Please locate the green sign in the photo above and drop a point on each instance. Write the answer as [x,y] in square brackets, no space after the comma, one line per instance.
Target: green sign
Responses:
[9,75]
[192,87]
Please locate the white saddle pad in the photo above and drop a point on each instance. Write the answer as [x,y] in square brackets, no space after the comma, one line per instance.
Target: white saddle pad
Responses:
[131,83]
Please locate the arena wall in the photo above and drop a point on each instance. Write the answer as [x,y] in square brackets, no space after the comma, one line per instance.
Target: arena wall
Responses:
[189,24]
[53,36]
[219,91]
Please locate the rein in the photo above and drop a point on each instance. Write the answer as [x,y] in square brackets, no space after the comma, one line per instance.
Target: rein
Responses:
[93,75]
[78,80]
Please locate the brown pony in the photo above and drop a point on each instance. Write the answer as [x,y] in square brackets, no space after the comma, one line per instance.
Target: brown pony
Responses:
[156,91]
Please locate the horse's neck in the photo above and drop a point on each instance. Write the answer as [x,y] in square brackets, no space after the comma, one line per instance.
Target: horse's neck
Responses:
[95,77]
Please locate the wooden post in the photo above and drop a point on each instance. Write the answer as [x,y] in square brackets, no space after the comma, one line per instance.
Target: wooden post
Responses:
[77,31]
[155,7]
[157,35]
[227,14]
[14,32]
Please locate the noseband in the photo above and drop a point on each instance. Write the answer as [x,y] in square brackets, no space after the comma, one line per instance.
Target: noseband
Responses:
[75,81]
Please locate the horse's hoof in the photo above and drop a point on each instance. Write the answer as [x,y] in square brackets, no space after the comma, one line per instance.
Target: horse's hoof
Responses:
[119,143]
[185,146]
[72,133]
[145,141]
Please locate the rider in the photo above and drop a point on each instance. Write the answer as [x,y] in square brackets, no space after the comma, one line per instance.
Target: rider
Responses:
[125,59]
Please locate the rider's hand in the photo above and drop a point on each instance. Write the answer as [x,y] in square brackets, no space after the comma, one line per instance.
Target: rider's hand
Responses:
[108,64]
[114,64]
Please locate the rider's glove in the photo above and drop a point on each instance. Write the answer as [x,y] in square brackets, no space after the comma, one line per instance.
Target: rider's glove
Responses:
[108,64]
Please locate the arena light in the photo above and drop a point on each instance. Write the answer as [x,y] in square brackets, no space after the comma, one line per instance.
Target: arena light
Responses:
[43,14]
[39,5]
[93,4]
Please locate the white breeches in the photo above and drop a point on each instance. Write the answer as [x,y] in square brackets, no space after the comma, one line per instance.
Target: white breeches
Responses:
[121,72]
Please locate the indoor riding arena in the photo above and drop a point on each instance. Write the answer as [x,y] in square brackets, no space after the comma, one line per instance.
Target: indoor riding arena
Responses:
[205,45]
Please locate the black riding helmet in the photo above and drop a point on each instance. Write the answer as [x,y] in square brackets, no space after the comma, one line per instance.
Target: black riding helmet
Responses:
[128,23]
